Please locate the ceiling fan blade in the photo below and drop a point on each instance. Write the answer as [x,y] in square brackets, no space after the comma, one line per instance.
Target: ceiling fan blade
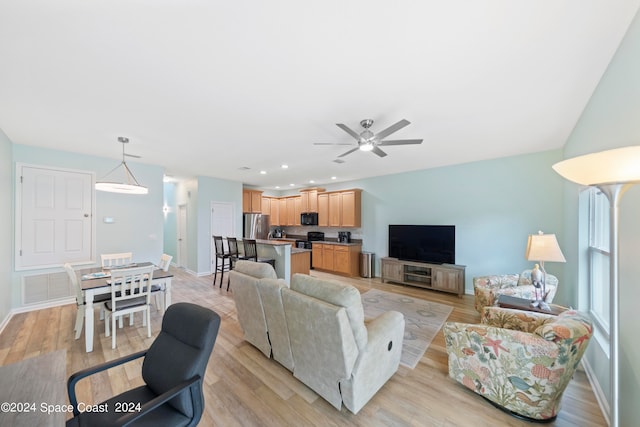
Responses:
[378,151]
[401,142]
[133,155]
[333,143]
[349,131]
[391,129]
[349,152]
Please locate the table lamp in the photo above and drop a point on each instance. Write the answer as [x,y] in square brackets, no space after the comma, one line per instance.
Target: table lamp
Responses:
[613,172]
[543,247]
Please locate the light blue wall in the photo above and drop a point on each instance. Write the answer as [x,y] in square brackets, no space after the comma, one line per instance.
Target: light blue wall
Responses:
[215,190]
[610,120]
[494,204]
[170,220]
[6,225]
[138,219]
[197,195]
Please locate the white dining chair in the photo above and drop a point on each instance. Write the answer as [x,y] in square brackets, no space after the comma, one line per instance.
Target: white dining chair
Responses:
[158,290]
[133,296]
[165,262]
[116,260]
[73,278]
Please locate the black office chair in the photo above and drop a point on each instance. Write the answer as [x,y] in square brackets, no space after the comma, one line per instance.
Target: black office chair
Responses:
[173,371]
[223,260]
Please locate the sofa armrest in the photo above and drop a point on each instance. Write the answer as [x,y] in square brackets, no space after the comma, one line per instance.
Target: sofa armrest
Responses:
[377,363]
[517,320]
[516,370]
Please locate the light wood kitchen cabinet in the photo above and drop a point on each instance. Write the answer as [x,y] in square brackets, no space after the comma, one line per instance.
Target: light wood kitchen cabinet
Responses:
[251,201]
[344,209]
[340,259]
[323,210]
[350,208]
[266,206]
[440,277]
[327,255]
[317,256]
[335,208]
[297,207]
[309,199]
[283,211]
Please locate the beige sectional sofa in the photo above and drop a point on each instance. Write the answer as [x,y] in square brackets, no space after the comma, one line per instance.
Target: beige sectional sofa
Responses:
[316,329]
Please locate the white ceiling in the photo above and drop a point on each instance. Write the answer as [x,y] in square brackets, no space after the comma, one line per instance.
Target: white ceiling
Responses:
[211,87]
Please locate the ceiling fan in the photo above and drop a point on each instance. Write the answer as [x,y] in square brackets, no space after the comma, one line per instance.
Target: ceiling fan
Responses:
[368,141]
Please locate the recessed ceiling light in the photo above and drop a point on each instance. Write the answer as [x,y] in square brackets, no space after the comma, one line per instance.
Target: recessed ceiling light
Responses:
[334,177]
[292,185]
[277,187]
[263,172]
[311,181]
[284,166]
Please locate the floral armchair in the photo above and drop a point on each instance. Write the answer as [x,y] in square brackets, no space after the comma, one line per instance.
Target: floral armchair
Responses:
[520,361]
[487,289]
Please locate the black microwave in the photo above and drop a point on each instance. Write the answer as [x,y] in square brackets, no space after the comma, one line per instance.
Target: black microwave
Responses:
[309,218]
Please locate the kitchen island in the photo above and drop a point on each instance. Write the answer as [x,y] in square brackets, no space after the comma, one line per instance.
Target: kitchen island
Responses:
[288,260]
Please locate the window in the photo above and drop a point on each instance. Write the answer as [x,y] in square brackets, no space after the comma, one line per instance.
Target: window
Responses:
[599,278]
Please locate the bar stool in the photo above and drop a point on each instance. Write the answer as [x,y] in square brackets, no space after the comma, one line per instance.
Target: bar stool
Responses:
[251,252]
[223,260]
[234,255]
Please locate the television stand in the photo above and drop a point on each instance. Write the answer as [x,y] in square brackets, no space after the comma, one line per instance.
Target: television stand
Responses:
[439,277]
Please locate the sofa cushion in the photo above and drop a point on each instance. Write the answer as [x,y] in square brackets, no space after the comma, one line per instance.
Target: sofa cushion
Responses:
[260,270]
[339,294]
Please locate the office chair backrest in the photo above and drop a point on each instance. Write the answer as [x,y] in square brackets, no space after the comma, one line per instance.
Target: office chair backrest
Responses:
[180,352]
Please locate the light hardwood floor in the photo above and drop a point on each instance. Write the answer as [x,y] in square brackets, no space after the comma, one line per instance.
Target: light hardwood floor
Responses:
[243,388]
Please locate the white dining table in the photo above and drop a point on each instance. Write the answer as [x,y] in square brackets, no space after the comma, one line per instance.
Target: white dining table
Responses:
[95,281]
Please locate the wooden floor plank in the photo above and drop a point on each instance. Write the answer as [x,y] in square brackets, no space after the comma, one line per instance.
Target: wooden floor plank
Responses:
[243,388]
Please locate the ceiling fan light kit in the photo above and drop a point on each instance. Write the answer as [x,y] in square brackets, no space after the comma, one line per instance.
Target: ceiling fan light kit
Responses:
[129,185]
[368,141]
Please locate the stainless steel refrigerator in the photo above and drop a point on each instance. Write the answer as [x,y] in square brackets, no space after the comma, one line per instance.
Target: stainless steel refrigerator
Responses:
[256,226]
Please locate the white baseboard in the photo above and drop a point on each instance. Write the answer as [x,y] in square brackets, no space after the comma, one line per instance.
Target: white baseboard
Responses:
[597,390]
[34,307]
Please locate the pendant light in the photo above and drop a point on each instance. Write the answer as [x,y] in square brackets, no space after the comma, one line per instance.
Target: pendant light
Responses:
[129,185]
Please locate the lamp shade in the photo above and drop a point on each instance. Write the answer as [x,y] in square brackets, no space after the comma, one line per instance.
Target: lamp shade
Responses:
[543,247]
[619,165]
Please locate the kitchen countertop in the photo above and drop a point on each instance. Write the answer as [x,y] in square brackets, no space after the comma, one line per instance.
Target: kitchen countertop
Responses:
[329,242]
[299,250]
[273,242]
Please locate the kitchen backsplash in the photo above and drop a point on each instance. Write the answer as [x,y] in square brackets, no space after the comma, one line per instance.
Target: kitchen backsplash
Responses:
[329,232]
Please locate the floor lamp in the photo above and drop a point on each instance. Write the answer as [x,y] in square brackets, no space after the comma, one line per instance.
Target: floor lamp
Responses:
[613,172]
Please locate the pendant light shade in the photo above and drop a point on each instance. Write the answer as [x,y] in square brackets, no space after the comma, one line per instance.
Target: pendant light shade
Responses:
[113,182]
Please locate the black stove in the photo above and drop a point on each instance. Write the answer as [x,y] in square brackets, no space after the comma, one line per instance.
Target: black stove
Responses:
[312,236]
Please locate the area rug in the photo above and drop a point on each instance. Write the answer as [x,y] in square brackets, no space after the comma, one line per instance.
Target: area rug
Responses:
[423,319]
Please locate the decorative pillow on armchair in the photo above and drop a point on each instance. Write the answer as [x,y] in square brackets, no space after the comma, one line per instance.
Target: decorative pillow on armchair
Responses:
[568,325]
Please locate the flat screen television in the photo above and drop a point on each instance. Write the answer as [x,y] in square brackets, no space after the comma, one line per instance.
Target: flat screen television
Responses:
[434,244]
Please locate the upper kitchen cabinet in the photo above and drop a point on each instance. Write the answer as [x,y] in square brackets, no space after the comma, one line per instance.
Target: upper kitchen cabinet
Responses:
[340,208]
[323,210]
[309,199]
[251,201]
[266,206]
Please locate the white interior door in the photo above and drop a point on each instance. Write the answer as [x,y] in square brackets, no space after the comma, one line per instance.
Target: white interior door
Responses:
[182,237]
[55,217]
